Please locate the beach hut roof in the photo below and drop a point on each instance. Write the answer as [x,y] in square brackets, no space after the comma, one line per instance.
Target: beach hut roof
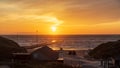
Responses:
[45,53]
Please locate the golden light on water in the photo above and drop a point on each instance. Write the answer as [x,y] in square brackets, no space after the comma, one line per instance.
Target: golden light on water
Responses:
[53,41]
[55,48]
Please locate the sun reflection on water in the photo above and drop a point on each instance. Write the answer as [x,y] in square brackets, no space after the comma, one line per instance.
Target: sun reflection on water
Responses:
[53,41]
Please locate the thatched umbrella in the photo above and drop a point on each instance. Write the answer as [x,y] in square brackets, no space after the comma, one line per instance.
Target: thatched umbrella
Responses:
[7,47]
[106,50]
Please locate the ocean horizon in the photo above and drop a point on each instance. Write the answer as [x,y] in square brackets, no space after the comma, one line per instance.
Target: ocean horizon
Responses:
[67,42]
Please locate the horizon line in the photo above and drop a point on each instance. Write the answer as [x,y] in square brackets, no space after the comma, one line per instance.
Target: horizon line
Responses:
[59,34]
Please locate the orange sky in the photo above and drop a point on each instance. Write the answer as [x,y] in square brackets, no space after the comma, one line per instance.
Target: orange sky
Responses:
[60,16]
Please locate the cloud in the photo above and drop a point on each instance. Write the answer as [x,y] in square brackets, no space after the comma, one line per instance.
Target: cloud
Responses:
[70,11]
[34,19]
[93,11]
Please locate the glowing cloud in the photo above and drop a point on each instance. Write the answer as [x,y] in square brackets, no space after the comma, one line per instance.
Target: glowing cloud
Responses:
[60,16]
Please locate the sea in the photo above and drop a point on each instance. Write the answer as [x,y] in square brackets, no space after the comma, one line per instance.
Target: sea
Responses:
[67,42]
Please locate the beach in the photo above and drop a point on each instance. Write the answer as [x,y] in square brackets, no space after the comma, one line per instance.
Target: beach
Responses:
[77,43]
[79,59]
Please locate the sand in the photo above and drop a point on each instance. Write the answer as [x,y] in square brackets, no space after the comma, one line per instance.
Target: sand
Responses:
[79,60]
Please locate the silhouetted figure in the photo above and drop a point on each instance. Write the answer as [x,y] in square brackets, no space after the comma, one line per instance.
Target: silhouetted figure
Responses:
[72,53]
[117,64]
[69,53]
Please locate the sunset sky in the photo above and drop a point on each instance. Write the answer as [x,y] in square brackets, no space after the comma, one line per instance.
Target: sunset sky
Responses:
[60,16]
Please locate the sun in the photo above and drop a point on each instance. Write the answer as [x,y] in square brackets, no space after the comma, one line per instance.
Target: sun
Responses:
[53,28]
